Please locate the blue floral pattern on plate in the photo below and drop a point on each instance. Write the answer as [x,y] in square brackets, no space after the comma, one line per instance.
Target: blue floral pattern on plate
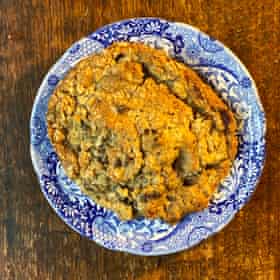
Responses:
[215,64]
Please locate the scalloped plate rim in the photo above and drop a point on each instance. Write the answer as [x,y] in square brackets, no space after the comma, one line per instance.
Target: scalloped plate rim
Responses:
[231,217]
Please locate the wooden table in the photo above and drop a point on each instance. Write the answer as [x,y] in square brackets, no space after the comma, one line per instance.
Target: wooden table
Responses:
[34,242]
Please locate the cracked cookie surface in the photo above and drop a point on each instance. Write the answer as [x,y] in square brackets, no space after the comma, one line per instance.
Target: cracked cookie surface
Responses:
[141,133]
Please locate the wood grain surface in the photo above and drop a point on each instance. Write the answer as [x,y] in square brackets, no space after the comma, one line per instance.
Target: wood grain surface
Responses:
[34,242]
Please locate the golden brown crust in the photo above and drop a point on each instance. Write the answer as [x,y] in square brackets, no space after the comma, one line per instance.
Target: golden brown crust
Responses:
[141,133]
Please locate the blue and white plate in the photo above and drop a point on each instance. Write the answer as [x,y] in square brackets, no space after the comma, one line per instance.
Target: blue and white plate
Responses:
[217,65]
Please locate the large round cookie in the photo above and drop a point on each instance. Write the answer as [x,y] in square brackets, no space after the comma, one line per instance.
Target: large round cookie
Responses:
[141,133]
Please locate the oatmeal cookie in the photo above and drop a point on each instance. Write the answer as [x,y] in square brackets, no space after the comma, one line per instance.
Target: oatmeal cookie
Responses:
[141,133]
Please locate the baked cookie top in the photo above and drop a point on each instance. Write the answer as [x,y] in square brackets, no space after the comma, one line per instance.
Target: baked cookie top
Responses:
[141,133]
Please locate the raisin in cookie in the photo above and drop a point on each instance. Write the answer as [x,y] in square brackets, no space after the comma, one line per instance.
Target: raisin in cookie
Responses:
[141,133]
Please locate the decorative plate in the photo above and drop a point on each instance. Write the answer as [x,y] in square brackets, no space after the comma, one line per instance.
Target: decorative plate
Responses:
[217,65]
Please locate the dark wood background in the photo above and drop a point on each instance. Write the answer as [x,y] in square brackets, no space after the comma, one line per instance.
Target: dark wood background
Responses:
[34,242]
